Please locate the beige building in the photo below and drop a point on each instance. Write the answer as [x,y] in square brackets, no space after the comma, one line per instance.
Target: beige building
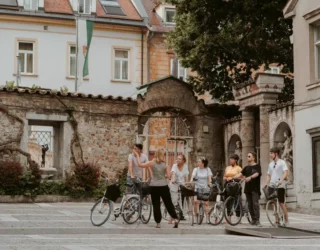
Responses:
[306,41]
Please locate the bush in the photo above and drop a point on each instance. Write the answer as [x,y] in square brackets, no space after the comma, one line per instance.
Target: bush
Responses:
[84,180]
[10,175]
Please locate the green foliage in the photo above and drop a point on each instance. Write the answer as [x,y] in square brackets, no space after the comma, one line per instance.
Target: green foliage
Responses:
[10,84]
[84,180]
[35,86]
[10,175]
[123,180]
[64,89]
[223,41]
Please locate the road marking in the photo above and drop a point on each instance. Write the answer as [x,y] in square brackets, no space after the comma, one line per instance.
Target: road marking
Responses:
[68,213]
[43,204]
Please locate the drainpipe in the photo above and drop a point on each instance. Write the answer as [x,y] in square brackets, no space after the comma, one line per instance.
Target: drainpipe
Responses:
[149,36]
[142,52]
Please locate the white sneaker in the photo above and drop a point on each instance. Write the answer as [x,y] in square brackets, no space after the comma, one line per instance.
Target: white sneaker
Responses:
[286,224]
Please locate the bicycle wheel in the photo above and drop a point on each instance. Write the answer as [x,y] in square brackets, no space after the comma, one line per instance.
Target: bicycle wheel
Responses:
[190,210]
[201,214]
[216,213]
[100,212]
[146,209]
[233,210]
[274,218]
[131,210]
[247,213]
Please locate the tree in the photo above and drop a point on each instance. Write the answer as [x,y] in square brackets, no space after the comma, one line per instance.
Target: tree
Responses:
[225,40]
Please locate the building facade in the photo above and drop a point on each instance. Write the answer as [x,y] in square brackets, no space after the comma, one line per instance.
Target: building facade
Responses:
[306,41]
[39,38]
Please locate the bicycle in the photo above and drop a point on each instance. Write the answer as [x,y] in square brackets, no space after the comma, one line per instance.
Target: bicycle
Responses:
[131,205]
[273,208]
[216,213]
[182,208]
[233,208]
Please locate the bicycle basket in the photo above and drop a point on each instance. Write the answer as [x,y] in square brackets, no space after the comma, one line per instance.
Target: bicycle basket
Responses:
[214,193]
[233,189]
[203,194]
[185,191]
[113,192]
[145,189]
[270,192]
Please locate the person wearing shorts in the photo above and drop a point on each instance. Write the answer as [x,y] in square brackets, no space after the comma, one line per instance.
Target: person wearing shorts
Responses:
[277,175]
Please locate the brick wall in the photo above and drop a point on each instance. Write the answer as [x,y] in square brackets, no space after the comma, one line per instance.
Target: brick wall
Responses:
[107,128]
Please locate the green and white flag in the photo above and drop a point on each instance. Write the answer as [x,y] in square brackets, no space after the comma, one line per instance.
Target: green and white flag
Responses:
[89,29]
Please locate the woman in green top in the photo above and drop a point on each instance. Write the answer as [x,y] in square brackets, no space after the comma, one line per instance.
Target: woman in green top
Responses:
[159,186]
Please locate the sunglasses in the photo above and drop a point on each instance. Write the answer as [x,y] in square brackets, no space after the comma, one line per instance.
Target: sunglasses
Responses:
[275,164]
[249,156]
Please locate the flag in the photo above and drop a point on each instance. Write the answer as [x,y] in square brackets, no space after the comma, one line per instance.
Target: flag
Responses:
[89,29]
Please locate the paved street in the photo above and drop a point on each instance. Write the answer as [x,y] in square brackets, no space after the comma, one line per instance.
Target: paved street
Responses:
[68,226]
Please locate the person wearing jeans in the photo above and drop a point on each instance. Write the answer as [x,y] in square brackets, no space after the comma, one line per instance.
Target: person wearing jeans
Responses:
[159,186]
[252,173]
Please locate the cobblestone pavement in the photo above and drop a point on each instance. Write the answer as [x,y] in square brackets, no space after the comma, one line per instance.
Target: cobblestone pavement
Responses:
[68,226]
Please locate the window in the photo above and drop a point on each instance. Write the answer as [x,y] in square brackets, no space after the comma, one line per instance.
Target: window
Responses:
[85,6]
[169,16]
[72,61]
[112,7]
[31,4]
[26,57]
[177,70]
[317,51]
[273,70]
[316,162]
[182,72]
[121,65]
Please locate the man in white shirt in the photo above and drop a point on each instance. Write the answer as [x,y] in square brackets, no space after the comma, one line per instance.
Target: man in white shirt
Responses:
[134,170]
[277,175]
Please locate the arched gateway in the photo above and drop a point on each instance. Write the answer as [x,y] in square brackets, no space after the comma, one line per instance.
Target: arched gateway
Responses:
[172,118]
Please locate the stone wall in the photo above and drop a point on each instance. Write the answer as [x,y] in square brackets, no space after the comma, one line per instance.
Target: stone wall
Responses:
[107,126]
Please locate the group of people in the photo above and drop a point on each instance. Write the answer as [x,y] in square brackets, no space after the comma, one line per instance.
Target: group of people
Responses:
[165,180]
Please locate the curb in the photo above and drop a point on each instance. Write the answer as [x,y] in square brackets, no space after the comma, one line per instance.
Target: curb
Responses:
[41,199]
[164,231]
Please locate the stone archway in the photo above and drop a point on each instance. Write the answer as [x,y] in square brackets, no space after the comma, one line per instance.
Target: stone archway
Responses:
[235,147]
[172,96]
[283,139]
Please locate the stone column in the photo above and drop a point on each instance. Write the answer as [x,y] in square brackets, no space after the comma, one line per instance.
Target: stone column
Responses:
[264,142]
[247,134]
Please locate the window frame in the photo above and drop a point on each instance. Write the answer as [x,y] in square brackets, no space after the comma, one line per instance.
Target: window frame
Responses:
[36,2]
[316,44]
[114,58]
[69,59]
[26,53]
[314,162]
[165,15]
[84,4]
[185,76]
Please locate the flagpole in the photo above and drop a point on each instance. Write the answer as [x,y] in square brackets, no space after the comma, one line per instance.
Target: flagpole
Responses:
[77,45]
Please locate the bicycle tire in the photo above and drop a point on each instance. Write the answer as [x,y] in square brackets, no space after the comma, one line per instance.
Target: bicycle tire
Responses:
[190,210]
[231,200]
[148,203]
[271,210]
[218,208]
[134,206]
[200,214]
[108,204]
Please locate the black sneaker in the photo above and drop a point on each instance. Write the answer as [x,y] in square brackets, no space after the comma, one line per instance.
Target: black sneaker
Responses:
[258,224]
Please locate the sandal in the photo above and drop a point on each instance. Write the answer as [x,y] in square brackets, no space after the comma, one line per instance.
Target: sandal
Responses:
[158,226]
[176,223]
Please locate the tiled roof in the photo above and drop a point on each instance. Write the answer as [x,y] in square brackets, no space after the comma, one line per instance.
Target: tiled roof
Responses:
[127,7]
[58,6]
[69,94]
[154,20]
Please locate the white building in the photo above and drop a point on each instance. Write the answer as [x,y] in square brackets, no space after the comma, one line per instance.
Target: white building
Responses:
[43,34]
[306,41]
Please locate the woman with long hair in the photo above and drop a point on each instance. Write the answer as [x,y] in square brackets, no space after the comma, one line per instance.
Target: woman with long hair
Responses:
[203,175]
[159,186]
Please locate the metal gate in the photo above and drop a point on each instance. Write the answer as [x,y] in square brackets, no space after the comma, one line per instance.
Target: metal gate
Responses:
[168,131]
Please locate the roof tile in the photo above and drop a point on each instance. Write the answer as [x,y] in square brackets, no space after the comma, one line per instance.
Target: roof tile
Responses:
[58,6]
